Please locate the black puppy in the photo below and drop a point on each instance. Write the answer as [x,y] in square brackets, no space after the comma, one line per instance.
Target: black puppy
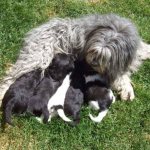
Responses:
[31,92]
[75,94]
[17,96]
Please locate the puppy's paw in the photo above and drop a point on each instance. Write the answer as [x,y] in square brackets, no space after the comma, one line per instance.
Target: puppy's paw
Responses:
[49,119]
[39,119]
[127,92]
[112,96]
[114,99]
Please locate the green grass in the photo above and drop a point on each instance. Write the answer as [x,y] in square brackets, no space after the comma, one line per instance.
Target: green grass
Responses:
[127,125]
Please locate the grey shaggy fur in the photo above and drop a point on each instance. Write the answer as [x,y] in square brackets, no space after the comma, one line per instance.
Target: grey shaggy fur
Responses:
[108,42]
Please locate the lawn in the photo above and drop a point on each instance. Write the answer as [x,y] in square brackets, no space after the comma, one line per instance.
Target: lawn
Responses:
[127,125]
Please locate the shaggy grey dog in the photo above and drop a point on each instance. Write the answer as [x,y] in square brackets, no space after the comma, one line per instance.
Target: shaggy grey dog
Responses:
[109,43]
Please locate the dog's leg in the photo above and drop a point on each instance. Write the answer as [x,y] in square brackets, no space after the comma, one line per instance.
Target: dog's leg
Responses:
[123,83]
[44,118]
[123,86]
[51,115]
[76,118]
[39,119]
[144,51]
[45,113]
[7,112]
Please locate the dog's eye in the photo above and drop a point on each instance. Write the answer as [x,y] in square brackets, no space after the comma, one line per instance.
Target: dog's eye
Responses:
[94,63]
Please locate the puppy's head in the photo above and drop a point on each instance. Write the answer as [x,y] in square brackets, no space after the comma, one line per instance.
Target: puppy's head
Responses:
[61,65]
[100,94]
[109,95]
[106,98]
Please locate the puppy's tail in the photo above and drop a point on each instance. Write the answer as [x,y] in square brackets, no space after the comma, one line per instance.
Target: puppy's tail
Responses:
[61,113]
[100,116]
[7,112]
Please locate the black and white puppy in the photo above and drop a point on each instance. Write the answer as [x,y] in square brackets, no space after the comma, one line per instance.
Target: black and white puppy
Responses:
[69,97]
[30,93]
[75,95]
[99,95]
[96,89]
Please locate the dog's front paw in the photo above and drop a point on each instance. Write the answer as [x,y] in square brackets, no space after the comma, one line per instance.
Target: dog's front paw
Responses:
[127,92]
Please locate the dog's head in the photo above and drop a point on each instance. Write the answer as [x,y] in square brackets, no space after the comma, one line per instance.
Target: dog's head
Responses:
[61,65]
[111,46]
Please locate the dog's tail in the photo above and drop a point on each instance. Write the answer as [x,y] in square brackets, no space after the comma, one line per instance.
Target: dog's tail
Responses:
[100,116]
[61,113]
[7,112]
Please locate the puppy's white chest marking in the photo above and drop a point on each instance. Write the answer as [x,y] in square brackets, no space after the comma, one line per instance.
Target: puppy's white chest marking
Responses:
[59,97]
